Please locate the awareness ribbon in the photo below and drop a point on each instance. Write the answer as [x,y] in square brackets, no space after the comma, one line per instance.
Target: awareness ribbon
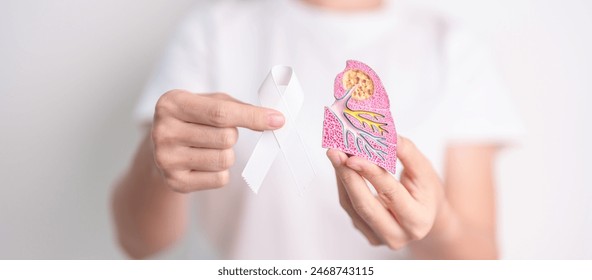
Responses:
[280,91]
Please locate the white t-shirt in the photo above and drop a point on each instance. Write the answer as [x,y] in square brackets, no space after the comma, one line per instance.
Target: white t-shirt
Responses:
[441,85]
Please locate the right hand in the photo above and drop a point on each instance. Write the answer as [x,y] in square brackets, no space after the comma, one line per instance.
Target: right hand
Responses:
[194,135]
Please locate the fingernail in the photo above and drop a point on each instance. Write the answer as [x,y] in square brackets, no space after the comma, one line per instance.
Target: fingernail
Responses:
[275,120]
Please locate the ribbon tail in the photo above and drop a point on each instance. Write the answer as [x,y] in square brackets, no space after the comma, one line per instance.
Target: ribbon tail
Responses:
[260,161]
[299,162]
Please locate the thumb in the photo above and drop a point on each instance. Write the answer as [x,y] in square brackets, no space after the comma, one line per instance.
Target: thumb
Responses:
[336,157]
[413,160]
[251,116]
[388,188]
[260,118]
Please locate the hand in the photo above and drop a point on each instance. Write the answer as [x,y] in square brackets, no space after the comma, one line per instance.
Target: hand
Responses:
[403,211]
[193,136]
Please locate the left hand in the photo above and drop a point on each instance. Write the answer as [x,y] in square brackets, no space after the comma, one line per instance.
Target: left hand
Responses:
[404,210]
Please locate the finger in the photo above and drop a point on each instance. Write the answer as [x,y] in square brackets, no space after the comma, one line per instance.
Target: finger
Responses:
[334,156]
[227,113]
[199,159]
[205,136]
[414,162]
[369,208]
[394,195]
[187,181]
[224,96]
[404,178]
[358,222]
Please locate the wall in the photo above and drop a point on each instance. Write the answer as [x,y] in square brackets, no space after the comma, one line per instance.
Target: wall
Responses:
[543,50]
[70,72]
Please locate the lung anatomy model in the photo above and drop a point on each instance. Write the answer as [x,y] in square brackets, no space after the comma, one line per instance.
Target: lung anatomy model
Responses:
[359,122]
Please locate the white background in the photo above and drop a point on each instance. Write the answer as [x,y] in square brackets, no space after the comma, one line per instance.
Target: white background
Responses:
[70,72]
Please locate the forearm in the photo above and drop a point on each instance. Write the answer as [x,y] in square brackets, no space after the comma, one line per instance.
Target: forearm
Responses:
[453,237]
[148,215]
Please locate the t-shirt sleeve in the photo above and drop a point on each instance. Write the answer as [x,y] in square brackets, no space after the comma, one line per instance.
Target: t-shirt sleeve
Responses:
[477,107]
[182,66]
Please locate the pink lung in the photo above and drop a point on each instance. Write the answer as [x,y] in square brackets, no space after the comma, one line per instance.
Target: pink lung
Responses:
[359,122]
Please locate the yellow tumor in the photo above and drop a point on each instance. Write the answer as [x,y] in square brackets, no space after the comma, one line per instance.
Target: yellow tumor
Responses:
[365,86]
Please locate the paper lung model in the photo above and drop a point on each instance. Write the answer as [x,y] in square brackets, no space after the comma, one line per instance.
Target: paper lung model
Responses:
[359,122]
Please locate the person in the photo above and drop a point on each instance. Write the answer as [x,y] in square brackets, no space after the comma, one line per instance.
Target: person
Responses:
[202,118]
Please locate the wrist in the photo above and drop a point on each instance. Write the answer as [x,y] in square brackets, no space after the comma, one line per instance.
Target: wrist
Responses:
[445,233]
[447,225]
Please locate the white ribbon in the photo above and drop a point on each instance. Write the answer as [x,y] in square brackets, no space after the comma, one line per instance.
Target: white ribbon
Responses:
[282,92]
